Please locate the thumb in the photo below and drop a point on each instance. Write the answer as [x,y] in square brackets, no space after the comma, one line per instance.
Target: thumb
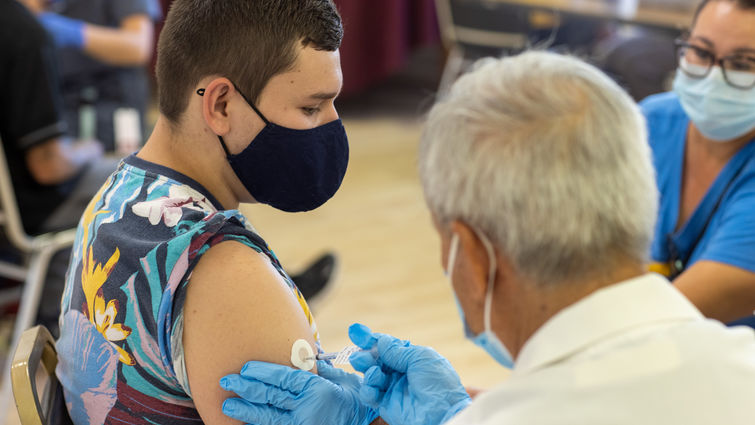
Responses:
[361,336]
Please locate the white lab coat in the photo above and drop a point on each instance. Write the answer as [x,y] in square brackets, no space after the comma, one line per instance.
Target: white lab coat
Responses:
[636,352]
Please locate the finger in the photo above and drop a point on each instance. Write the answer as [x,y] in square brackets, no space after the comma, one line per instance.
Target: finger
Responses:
[370,396]
[251,413]
[375,377]
[284,377]
[361,335]
[256,391]
[334,374]
[362,360]
[397,354]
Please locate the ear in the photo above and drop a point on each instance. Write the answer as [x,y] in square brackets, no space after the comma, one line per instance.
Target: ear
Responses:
[472,263]
[216,103]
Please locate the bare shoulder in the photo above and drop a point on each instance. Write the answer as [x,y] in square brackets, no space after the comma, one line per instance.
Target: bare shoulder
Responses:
[238,308]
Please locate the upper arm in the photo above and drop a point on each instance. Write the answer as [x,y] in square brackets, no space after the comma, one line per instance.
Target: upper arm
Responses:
[140,27]
[721,278]
[135,18]
[237,308]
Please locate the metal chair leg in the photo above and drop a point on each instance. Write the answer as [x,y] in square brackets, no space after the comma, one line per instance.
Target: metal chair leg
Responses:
[27,311]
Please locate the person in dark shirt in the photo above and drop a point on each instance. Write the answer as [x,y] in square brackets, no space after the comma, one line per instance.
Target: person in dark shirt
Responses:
[53,177]
[103,50]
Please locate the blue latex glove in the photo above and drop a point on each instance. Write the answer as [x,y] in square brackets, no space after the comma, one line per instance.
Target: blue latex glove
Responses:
[65,31]
[408,384]
[274,394]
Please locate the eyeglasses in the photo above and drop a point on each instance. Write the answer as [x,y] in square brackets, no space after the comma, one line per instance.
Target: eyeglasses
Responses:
[696,61]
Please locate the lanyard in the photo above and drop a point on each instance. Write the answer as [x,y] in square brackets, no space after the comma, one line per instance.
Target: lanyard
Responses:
[679,258]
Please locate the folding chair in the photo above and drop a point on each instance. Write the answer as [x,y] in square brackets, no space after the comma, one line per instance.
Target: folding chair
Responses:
[36,390]
[475,28]
[37,252]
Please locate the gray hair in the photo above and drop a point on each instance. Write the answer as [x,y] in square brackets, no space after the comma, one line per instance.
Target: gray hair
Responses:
[549,158]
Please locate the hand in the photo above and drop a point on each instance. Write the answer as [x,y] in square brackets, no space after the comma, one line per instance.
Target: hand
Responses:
[65,31]
[408,384]
[87,150]
[275,394]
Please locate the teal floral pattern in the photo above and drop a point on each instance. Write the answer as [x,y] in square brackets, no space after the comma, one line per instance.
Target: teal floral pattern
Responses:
[137,243]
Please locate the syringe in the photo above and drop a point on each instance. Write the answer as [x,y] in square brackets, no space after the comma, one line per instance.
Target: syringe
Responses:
[303,357]
[338,357]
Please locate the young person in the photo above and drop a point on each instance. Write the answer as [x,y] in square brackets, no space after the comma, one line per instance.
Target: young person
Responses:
[169,286]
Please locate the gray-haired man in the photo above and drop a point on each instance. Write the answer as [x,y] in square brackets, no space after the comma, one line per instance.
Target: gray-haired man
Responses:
[538,175]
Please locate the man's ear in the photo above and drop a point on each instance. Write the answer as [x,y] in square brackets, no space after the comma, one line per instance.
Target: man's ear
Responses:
[215,105]
[472,262]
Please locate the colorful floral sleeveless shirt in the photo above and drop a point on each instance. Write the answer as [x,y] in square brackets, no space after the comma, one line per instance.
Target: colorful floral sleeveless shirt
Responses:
[120,352]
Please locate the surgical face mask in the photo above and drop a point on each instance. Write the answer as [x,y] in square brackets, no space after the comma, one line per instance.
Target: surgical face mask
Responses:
[487,340]
[292,170]
[721,112]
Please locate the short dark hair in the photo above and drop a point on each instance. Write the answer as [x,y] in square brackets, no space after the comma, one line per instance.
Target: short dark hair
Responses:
[247,41]
[742,4]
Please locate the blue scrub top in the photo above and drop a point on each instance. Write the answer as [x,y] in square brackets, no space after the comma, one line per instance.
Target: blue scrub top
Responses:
[730,235]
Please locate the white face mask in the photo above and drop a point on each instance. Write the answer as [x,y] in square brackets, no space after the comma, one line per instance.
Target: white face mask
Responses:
[487,340]
[721,112]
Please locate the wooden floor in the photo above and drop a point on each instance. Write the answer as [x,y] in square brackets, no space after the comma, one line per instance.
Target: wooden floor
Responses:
[390,276]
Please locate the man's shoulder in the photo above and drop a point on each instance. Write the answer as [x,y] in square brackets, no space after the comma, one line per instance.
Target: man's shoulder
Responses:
[713,366]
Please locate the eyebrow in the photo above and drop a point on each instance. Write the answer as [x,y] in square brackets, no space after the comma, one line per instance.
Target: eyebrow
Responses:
[708,43]
[748,50]
[324,95]
[703,40]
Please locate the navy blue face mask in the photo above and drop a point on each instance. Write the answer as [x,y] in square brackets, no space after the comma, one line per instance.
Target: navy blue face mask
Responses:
[291,170]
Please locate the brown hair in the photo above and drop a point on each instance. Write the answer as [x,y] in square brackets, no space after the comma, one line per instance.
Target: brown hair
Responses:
[247,41]
[742,4]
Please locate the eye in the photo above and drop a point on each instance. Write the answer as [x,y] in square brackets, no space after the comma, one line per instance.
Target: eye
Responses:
[310,111]
[741,63]
[698,54]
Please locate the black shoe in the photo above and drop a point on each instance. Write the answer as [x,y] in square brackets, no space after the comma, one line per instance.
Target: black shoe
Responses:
[316,277]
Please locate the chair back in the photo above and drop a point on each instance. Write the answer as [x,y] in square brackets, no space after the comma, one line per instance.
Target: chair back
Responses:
[36,390]
[10,217]
[483,23]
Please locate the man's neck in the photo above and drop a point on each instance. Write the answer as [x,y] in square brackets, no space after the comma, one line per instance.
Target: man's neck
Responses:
[535,305]
[191,156]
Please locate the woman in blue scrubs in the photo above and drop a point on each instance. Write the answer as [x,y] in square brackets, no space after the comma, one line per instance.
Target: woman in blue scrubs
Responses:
[703,140]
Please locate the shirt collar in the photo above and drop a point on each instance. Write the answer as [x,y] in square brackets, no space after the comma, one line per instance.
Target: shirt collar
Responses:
[644,300]
[172,174]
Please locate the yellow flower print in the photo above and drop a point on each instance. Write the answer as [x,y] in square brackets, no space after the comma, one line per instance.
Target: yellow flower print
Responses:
[104,318]
[93,276]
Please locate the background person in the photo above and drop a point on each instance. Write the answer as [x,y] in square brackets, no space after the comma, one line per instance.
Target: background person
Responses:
[539,179]
[53,176]
[702,137]
[104,48]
